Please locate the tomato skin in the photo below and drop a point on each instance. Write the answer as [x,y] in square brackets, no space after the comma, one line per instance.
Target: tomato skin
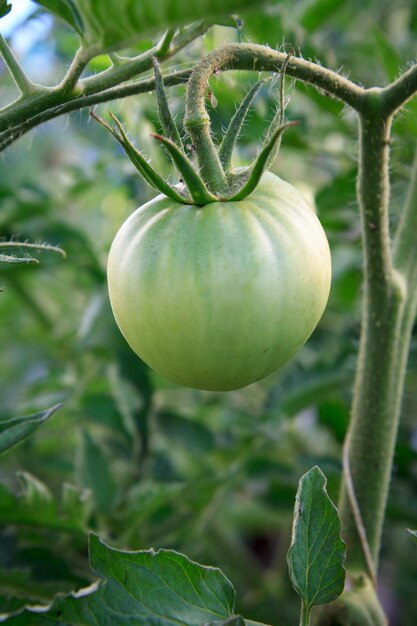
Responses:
[217,297]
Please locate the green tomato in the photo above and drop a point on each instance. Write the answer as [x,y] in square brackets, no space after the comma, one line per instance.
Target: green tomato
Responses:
[217,297]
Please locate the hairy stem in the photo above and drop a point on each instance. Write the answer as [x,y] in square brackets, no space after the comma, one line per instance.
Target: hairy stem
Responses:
[382,354]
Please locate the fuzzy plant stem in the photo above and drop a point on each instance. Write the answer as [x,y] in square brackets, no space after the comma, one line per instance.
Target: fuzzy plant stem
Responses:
[383,348]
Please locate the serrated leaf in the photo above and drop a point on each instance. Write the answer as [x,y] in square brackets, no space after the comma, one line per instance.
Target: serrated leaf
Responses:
[67,10]
[5,8]
[413,533]
[17,429]
[94,472]
[146,588]
[317,552]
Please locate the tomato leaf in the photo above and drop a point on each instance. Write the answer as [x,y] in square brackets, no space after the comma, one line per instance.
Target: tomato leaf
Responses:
[317,552]
[94,472]
[413,533]
[35,506]
[5,8]
[147,587]
[67,10]
[15,430]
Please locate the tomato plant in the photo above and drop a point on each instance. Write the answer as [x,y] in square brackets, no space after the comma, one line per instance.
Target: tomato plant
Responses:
[214,284]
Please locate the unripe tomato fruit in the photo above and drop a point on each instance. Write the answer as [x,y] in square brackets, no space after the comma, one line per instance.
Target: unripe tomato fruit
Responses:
[217,297]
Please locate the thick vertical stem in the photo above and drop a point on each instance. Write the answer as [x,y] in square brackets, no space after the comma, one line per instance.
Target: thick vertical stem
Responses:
[383,351]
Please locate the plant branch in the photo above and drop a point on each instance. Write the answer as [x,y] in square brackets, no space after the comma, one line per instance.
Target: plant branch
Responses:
[78,65]
[23,83]
[123,91]
[397,93]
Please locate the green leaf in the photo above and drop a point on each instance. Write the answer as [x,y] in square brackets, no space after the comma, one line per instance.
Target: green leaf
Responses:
[234,621]
[35,506]
[15,430]
[66,10]
[390,59]
[94,472]
[317,552]
[116,23]
[5,8]
[146,588]
[413,533]
[317,12]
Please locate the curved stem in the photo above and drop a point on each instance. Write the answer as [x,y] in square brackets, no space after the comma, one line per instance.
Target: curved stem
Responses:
[257,58]
[261,58]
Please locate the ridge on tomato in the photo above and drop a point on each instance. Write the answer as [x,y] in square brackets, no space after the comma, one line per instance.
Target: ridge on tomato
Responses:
[219,281]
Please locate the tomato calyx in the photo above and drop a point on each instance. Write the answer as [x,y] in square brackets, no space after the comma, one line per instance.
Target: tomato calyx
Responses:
[201,187]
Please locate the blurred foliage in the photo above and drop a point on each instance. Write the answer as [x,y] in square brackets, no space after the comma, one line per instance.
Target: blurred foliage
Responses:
[137,459]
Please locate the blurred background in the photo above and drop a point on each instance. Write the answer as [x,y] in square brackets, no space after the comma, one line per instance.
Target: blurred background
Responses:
[139,460]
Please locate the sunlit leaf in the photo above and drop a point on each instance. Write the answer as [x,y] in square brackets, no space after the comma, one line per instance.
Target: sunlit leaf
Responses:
[317,552]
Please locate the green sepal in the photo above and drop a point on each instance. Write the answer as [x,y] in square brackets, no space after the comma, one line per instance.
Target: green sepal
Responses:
[260,165]
[145,170]
[167,121]
[278,119]
[195,184]
[234,128]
